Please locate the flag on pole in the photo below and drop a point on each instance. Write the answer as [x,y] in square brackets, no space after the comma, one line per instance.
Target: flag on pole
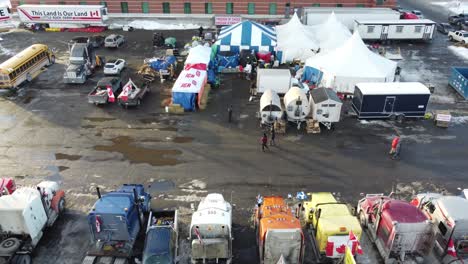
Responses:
[110,94]
[329,249]
[355,246]
[98,224]
[451,249]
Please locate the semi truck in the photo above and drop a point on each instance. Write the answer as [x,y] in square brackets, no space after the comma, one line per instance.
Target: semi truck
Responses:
[63,16]
[449,215]
[279,232]
[162,237]
[24,215]
[211,230]
[400,231]
[115,222]
[330,223]
[5,18]
[81,63]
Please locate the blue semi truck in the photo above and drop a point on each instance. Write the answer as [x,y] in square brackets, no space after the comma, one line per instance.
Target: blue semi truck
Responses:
[115,222]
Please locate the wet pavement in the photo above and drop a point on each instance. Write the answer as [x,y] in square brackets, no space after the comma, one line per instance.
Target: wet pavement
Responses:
[49,131]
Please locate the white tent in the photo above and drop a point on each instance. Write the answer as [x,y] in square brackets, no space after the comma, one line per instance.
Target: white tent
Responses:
[331,34]
[295,41]
[351,63]
[199,54]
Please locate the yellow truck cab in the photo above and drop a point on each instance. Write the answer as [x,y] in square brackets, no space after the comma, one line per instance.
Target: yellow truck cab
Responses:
[331,223]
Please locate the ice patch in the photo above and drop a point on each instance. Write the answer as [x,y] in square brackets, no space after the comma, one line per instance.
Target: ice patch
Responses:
[376,122]
[184,198]
[459,51]
[5,51]
[154,25]
[459,120]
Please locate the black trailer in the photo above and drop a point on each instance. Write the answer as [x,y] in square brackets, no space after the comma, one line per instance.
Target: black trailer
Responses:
[390,100]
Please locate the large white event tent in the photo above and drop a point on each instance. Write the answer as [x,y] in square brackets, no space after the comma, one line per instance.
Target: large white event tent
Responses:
[331,34]
[295,41]
[349,64]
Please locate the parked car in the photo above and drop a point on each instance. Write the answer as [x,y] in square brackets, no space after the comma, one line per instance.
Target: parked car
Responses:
[114,41]
[444,28]
[115,66]
[459,20]
[96,41]
[408,15]
[418,13]
[459,36]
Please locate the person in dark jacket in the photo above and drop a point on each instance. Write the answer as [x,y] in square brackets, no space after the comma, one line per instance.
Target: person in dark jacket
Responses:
[273,136]
[200,32]
[264,141]
[230,114]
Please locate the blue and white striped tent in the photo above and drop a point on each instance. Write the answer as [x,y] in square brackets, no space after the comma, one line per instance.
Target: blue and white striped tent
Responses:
[247,35]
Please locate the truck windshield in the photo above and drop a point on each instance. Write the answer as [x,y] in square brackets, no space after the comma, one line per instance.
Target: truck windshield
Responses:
[465,35]
[157,246]
[157,259]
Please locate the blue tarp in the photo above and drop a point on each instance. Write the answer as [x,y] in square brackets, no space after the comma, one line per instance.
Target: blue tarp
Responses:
[227,61]
[211,76]
[186,100]
[163,63]
[314,76]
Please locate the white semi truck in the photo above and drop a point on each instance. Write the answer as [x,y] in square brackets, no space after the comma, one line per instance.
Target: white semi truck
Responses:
[66,16]
[5,18]
[23,217]
[211,230]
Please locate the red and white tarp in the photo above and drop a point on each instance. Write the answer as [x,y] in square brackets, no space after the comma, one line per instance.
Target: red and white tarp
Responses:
[190,81]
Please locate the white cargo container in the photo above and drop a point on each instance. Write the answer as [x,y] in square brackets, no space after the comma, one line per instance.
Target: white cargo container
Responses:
[278,80]
[270,107]
[297,105]
[5,18]
[211,230]
[347,15]
[401,29]
[325,106]
[63,15]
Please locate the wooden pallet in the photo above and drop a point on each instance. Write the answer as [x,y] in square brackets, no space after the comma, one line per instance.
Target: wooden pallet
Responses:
[280,127]
[313,126]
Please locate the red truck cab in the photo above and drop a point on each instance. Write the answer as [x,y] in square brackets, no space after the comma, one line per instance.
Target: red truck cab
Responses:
[408,15]
[7,186]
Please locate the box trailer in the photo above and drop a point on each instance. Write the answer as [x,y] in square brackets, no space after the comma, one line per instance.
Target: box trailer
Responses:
[325,106]
[347,16]
[78,15]
[390,100]
[278,80]
[459,80]
[399,29]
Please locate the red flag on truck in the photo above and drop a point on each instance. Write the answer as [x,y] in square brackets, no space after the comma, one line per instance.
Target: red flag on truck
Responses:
[451,249]
[98,224]
[110,94]
[197,233]
[356,246]
[329,249]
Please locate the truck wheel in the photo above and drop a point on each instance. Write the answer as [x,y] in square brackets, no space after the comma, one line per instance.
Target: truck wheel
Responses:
[29,77]
[10,245]
[138,102]
[362,219]
[450,38]
[393,117]
[463,42]
[22,259]
[400,118]
[61,206]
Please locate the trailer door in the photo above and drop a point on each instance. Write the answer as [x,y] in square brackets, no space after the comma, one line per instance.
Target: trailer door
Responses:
[384,34]
[428,32]
[389,103]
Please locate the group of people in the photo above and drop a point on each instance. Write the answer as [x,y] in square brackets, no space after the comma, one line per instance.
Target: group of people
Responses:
[264,139]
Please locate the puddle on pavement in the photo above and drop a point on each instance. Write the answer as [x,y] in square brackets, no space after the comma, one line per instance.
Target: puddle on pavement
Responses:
[62,156]
[56,176]
[98,119]
[20,177]
[161,186]
[135,154]
[98,134]
[62,168]
[88,126]
[149,140]
[168,129]
[182,139]
[28,99]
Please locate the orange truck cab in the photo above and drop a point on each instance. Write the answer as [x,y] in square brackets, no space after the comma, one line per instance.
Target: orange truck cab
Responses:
[279,232]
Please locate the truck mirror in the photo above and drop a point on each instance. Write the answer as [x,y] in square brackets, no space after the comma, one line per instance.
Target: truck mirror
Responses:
[312,210]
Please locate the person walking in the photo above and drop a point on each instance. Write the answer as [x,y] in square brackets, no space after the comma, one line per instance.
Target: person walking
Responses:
[396,154]
[230,114]
[200,32]
[264,141]
[394,145]
[273,136]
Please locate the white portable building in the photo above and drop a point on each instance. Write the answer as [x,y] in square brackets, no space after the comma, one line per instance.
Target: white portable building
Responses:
[278,80]
[325,105]
[295,41]
[349,64]
[296,104]
[270,107]
[401,29]
[23,213]
[347,15]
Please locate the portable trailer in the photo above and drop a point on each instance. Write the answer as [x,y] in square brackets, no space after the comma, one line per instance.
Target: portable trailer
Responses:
[278,80]
[325,106]
[398,29]
[390,100]
[270,108]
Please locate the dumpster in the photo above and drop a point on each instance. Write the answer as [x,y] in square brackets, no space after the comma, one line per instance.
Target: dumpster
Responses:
[459,80]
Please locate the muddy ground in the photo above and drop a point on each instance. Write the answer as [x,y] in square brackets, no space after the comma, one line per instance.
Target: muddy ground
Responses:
[49,131]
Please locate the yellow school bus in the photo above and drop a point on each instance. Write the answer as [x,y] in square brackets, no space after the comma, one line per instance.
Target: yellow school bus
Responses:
[25,65]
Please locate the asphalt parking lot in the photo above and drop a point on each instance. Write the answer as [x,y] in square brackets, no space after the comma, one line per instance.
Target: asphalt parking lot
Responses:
[49,131]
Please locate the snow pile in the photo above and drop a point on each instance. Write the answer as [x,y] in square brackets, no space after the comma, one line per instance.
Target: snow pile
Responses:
[5,51]
[455,7]
[154,25]
[459,120]
[460,51]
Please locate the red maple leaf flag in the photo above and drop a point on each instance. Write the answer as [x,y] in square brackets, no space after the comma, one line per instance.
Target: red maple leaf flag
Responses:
[356,246]
[341,249]
[110,94]
[329,249]
[98,224]
[451,249]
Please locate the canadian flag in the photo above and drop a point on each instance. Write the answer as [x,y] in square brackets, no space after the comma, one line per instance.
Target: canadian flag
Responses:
[329,249]
[98,224]
[451,249]
[110,93]
[125,92]
[355,246]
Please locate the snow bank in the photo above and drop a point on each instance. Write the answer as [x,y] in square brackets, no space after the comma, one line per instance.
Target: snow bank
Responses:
[460,51]
[5,51]
[154,25]
[455,7]
[459,120]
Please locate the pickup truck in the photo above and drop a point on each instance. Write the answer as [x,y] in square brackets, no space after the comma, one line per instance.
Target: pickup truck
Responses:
[459,36]
[458,20]
[162,236]
[105,90]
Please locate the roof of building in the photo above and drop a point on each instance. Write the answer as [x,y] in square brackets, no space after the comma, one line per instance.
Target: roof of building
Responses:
[393,88]
[323,94]
[396,22]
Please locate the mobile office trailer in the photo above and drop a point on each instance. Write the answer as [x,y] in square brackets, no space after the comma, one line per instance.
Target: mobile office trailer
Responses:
[278,80]
[63,15]
[347,15]
[325,106]
[400,29]
[390,100]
